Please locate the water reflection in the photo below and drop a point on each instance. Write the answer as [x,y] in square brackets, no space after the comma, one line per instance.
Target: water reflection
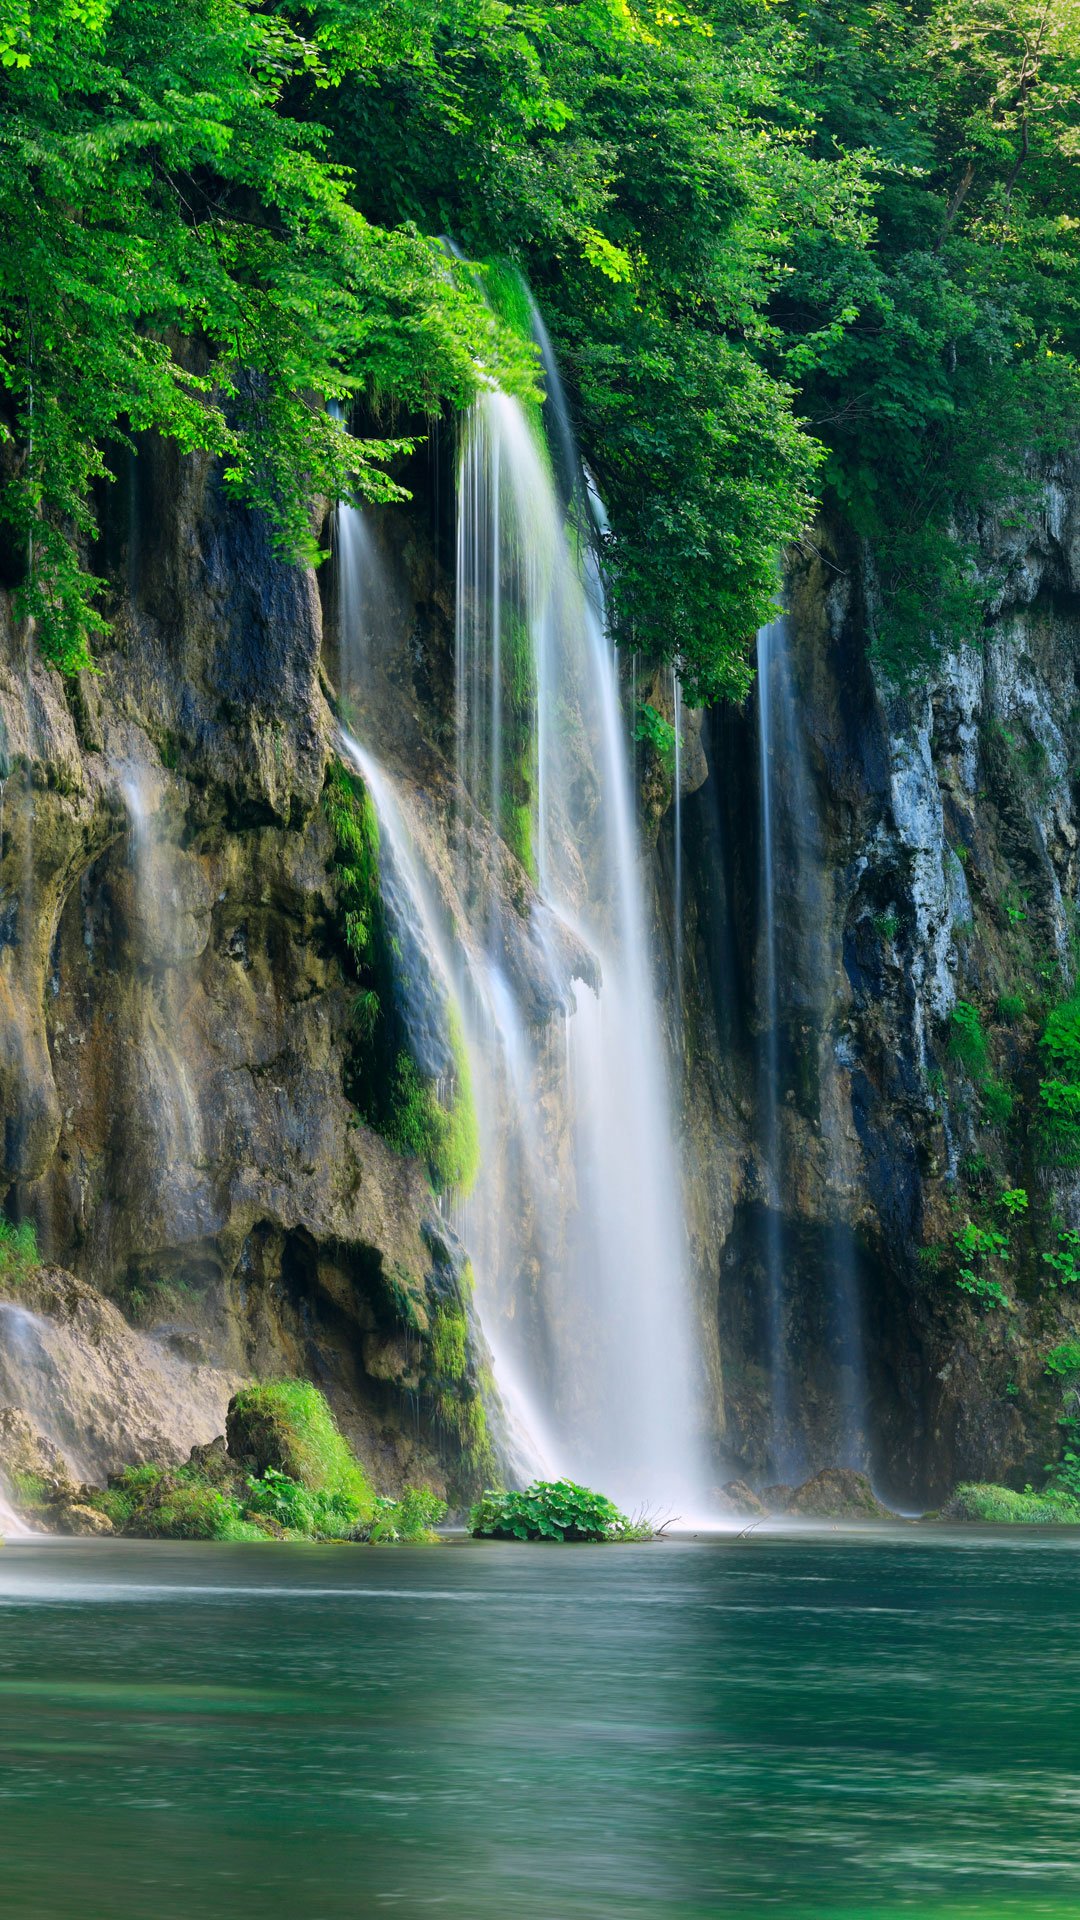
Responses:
[814,1726]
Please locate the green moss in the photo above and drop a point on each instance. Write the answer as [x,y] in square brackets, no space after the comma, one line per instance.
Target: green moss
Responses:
[288,1426]
[517,831]
[355,827]
[420,1124]
[1001,1505]
[449,1338]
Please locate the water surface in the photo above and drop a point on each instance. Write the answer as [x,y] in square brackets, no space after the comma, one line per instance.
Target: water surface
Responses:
[820,1726]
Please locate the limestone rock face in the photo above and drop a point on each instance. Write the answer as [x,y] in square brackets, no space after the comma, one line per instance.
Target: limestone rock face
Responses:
[175,1005]
[940,866]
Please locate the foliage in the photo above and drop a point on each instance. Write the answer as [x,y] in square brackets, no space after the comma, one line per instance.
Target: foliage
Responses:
[1065,1259]
[18,1252]
[1058,1119]
[958,366]
[1058,1122]
[976,1247]
[758,231]
[1001,1504]
[652,730]
[967,1041]
[287,1425]
[552,1510]
[1011,1007]
[1063,1362]
[997,1100]
[155,1503]
[438,1126]
[181,254]
[412,1519]
[1014,1200]
[190,1503]
[1061,1039]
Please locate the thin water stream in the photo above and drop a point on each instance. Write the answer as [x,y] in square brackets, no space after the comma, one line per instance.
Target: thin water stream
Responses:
[796,967]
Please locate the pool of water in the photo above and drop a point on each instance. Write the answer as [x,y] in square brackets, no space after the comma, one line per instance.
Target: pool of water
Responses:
[815,1725]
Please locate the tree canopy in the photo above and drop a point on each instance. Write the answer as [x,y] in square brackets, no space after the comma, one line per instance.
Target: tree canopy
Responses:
[785,250]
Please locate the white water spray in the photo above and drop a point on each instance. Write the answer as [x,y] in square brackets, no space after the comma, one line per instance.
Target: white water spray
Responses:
[575,1227]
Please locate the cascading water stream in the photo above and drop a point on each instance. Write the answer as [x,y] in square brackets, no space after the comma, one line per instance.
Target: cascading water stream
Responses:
[609,1305]
[575,1225]
[769,1070]
[789,817]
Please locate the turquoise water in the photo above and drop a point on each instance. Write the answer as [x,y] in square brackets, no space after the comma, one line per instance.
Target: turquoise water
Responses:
[820,1725]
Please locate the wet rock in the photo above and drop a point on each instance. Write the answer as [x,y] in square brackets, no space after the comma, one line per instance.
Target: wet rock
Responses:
[837,1493]
[73,1517]
[737,1498]
[775,1499]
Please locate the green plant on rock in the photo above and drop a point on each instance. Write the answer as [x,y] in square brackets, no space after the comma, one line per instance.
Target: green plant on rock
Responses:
[1063,1363]
[977,1247]
[1058,1121]
[653,730]
[996,1505]
[18,1252]
[1014,1200]
[1011,1007]
[967,1041]
[996,1101]
[1065,1259]
[552,1510]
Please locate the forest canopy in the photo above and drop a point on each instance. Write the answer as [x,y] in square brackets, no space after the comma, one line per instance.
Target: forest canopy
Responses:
[786,252]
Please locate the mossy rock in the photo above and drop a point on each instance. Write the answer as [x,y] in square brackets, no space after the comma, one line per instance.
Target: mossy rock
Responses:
[287,1425]
[837,1493]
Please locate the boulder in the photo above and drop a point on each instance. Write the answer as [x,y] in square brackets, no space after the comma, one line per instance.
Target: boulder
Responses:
[74,1517]
[837,1493]
[737,1498]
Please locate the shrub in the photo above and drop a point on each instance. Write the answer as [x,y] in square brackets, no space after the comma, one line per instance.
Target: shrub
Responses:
[321,1516]
[1002,1504]
[189,1512]
[410,1519]
[287,1425]
[997,1102]
[552,1510]
[1058,1123]
[18,1252]
[1061,1039]
[967,1041]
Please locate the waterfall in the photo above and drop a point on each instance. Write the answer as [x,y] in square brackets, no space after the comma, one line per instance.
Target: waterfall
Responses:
[769,1071]
[575,1225]
[791,845]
